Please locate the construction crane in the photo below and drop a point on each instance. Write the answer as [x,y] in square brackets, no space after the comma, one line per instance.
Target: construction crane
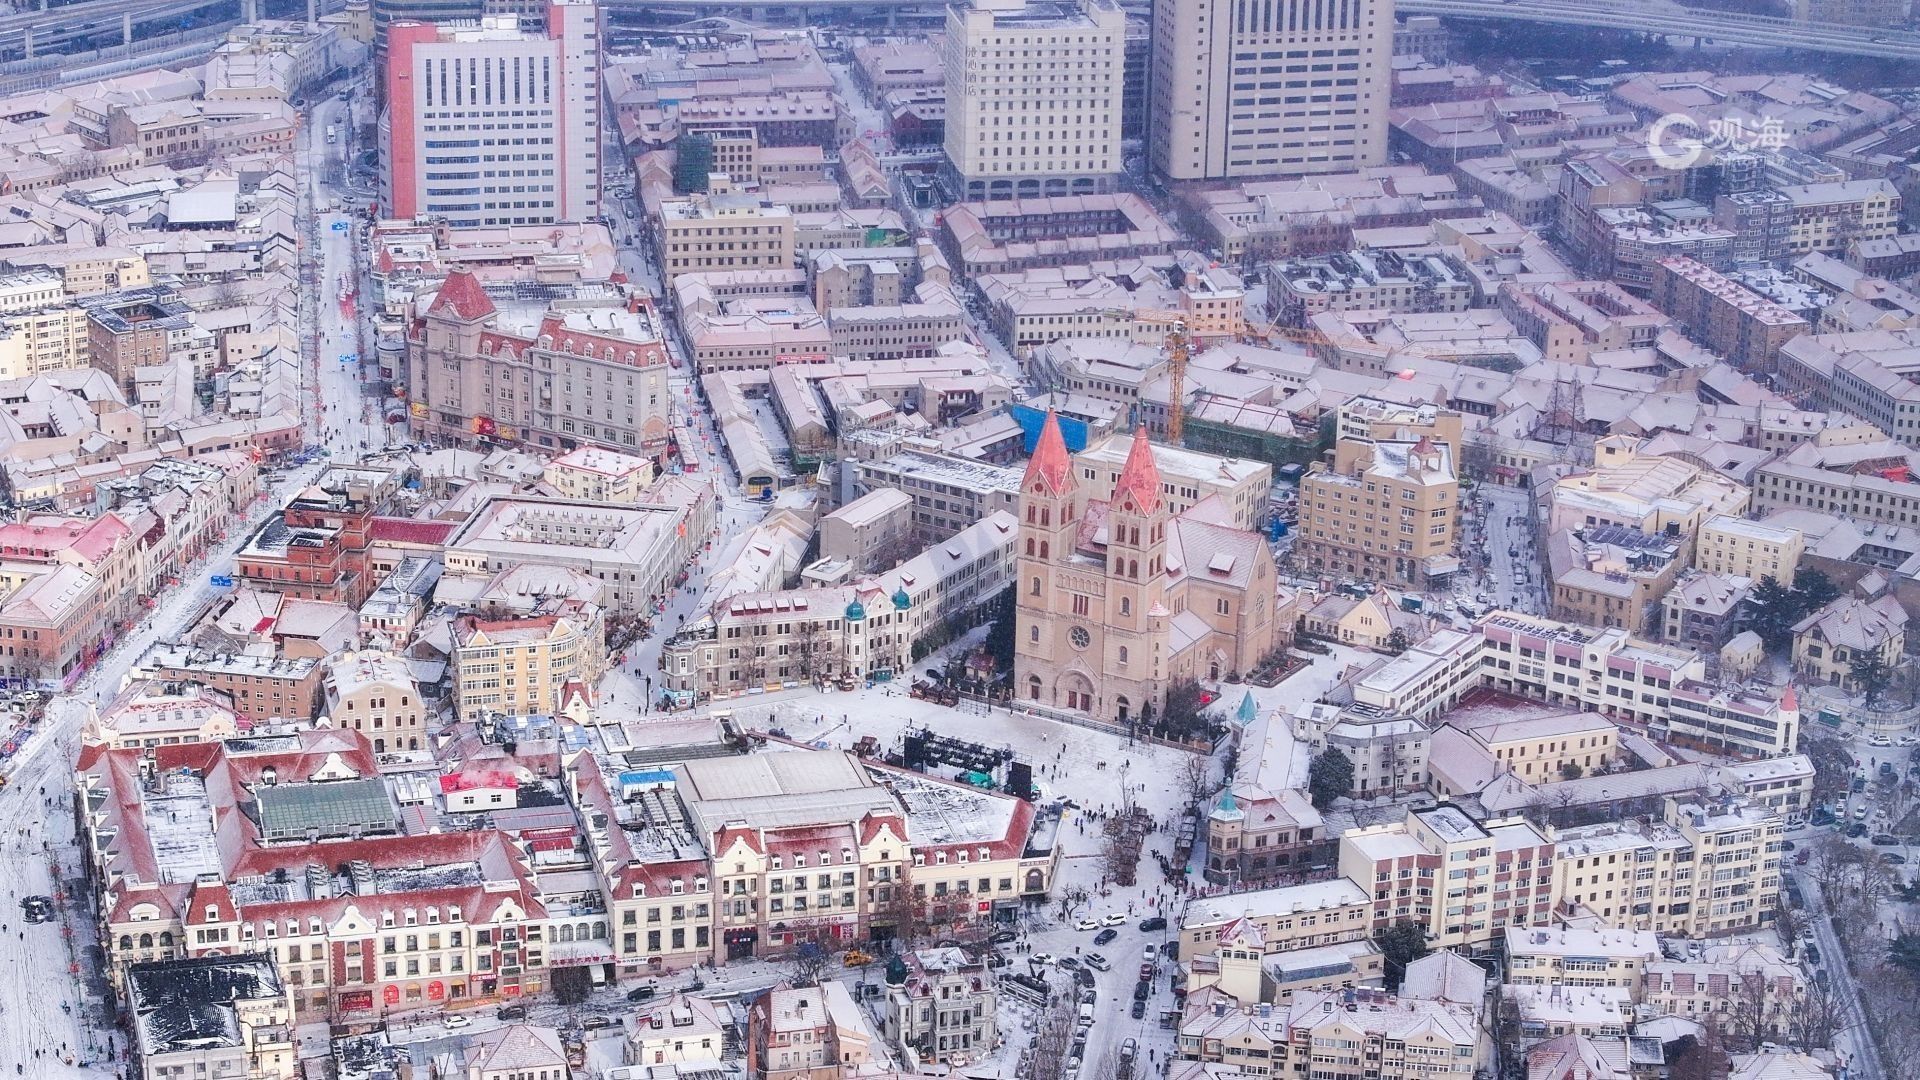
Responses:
[1179,346]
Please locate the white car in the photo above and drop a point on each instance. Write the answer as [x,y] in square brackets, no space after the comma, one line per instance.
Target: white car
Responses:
[1151,954]
[458,1021]
[1087,924]
[1098,962]
[1040,959]
[1880,740]
[1115,919]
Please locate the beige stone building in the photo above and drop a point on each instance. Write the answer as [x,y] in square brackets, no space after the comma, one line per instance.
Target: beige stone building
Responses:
[1235,94]
[576,378]
[517,666]
[1034,91]
[374,694]
[1750,549]
[212,1016]
[723,231]
[1383,511]
[1114,598]
[945,1007]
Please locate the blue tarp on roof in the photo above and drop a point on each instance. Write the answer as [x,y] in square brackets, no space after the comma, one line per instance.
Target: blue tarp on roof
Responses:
[1031,420]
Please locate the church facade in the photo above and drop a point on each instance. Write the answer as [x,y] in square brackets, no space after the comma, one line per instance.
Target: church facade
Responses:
[1118,598]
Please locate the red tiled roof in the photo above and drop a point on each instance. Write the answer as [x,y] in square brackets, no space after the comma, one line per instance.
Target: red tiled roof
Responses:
[462,295]
[408,530]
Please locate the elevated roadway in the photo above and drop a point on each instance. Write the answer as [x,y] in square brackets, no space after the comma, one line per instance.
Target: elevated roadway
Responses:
[1640,16]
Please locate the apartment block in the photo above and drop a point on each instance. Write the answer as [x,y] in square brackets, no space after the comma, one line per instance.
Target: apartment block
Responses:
[1242,89]
[1737,547]
[1607,575]
[1726,317]
[1571,320]
[214,1016]
[1580,953]
[1382,511]
[1343,1035]
[495,123]
[1034,91]
[1461,881]
[336,932]
[1829,217]
[1703,869]
[1287,918]
[261,683]
[1389,750]
[521,666]
[1364,280]
[723,231]
[374,694]
[1870,374]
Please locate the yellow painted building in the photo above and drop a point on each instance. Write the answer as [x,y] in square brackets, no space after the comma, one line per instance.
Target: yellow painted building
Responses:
[596,474]
[517,666]
[1750,549]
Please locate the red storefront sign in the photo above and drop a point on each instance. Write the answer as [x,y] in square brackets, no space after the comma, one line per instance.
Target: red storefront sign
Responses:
[390,994]
[436,991]
[356,999]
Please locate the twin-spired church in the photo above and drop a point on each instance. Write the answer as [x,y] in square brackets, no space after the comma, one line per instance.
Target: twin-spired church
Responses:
[1120,596]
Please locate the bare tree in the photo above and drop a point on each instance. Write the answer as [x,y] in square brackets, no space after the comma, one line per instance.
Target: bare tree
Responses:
[901,907]
[808,963]
[1053,1040]
[1815,1017]
[1196,778]
[1748,1022]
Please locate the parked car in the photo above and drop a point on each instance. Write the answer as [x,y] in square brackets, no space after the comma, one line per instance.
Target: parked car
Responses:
[1098,962]
[1141,990]
[1812,953]
[1040,958]
[1820,978]
[1068,963]
[997,960]
[1003,937]
[641,993]
[458,1021]
[1151,953]
[1885,840]
[1114,919]
[1140,1006]
[1155,923]
[1087,924]
[1105,936]
[595,1023]
[1857,830]
[1895,858]
[1801,857]
[511,1012]
[1146,972]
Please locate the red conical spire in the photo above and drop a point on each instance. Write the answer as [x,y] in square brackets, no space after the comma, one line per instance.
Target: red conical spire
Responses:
[1138,489]
[1050,470]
